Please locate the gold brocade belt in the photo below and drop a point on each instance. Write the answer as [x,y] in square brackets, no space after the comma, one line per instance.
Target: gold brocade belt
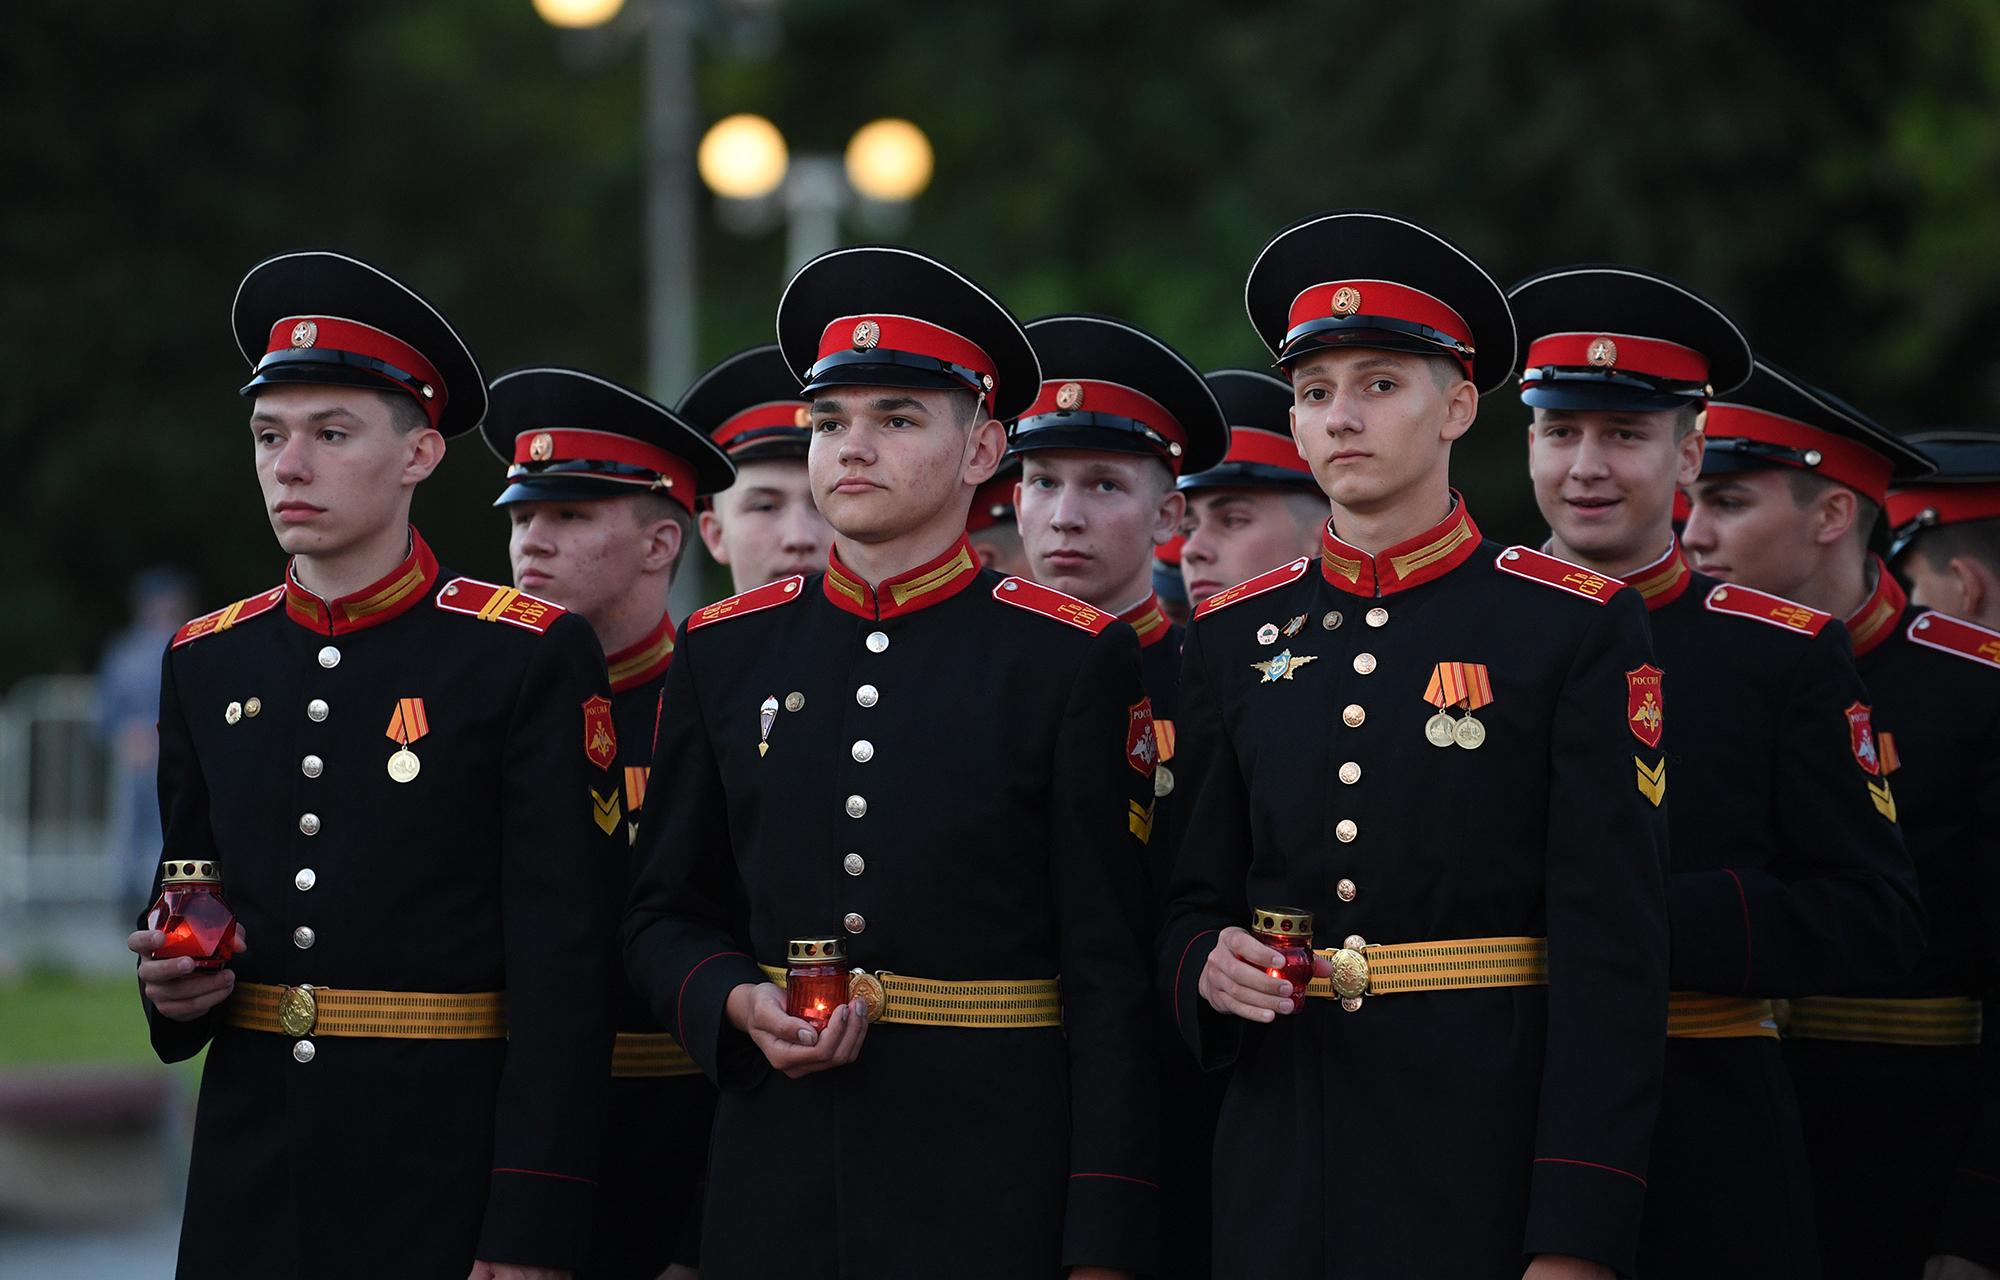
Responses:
[650,1053]
[928,1002]
[1374,969]
[1694,1015]
[1934,1020]
[400,1015]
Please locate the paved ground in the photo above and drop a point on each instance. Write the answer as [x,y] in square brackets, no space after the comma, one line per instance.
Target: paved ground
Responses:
[141,1251]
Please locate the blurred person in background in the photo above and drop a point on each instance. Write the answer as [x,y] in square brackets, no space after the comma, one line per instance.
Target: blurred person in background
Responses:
[993,525]
[765,527]
[1945,530]
[128,715]
[1258,508]
[600,495]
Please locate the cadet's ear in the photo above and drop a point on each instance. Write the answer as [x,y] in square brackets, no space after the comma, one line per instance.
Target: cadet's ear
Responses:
[425,449]
[985,445]
[1461,406]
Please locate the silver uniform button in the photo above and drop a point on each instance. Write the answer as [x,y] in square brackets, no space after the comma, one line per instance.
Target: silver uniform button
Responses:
[863,751]
[1345,890]
[312,766]
[309,824]
[1345,830]
[305,879]
[304,1051]
[303,938]
[1364,663]
[867,695]
[329,657]
[856,806]
[877,641]
[854,922]
[1353,716]
[1350,773]
[1377,617]
[854,864]
[316,710]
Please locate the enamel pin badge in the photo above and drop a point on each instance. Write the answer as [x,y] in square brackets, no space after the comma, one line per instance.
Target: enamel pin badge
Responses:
[1282,666]
[767,715]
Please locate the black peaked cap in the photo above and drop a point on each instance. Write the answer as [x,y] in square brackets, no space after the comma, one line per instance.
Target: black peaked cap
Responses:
[1252,400]
[1772,390]
[1104,349]
[751,377]
[1962,455]
[1612,299]
[555,398]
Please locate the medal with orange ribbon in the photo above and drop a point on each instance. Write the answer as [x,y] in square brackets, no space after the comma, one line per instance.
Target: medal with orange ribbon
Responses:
[1463,685]
[406,725]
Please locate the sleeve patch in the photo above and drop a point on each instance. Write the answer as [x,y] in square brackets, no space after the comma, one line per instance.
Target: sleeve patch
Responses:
[1861,737]
[1525,562]
[1142,745]
[1141,820]
[1050,603]
[1257,586]
[600,736]
[223,619]
[1653,781]
[490,602]
[768,596]
[1936,631]
[1645,705]
[1773,610]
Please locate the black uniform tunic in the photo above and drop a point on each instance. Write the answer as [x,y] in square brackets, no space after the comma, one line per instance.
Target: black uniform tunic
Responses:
[656,1126]
[1442,1133]
[1787,881]
[485,872]
[1905,1139]
[958,787]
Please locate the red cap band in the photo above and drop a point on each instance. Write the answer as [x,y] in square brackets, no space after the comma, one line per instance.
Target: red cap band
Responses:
[1854,465]
[1085,395]
[1946,503]
[1379,298]
[1267,448]
[567,445]
[1170,552]
[330,333]
[992,503]
[1625,352]
[907,333]
[759,417]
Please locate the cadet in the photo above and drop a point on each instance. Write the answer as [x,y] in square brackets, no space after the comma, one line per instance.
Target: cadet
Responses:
[1419,750]
[994,526]
[391,768]
[1787,880]
[1905,1150]
[1119,415]
[1260,507]
[764,527]
[1951,521]
[948,776]
[600,485]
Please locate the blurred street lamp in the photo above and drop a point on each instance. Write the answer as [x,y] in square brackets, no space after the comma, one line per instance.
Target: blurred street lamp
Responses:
[577,14]
[745,162]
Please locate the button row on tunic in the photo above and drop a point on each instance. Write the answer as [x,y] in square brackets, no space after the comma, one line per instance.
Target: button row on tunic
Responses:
[863,751]
[877,641]
[854,863]
[312,766]
[329,657]
[309,824]
[854,922]
[856,806]
[305,879]
[867,695]
[303,938]
[316,710]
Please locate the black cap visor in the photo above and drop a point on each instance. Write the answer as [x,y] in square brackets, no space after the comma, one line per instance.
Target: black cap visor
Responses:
[1083,429]
[1250,475]
[1602,389]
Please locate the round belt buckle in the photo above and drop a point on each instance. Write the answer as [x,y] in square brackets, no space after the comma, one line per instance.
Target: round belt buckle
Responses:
[863,985]
[1350,974]
[298,1011]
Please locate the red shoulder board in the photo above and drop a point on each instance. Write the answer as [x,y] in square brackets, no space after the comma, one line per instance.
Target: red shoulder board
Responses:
[223,619]
[1281,576]
[489,602]
[1524,562]
[1050,603]
[1936,631]
[768,596]
[1765,607]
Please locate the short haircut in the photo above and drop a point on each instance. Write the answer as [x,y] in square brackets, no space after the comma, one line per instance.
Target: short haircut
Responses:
[1310,511]
[1687,418]
[1808,485]
[1446,371]
[652,506]
[1977,540]
[405,414]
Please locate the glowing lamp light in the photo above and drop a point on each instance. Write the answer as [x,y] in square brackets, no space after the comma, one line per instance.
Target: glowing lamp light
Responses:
[578,13]
[889,160]
[742,157]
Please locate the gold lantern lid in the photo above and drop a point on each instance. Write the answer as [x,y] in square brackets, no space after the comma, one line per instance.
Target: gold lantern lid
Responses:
[190,871]
[816,951]
[1283,922]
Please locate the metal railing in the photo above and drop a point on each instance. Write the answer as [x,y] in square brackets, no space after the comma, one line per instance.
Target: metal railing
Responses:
[55,795]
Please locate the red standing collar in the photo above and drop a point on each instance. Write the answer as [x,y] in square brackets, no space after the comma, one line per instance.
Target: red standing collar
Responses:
[1873,622]
[637,663]
[388,597]
[1149,620]
[1428,556]
[930,583]
[1663,581]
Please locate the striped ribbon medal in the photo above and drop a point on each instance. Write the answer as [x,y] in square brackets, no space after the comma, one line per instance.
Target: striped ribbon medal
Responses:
[406,725]
[1463,685]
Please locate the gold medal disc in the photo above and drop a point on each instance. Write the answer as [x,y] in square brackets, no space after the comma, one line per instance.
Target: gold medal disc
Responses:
[404,765]
[1163,780]
[1468,733]
[1438,730]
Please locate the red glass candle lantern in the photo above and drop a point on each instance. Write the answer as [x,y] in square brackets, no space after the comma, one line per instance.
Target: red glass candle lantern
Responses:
[191,912]
[815,979]
[1289,932]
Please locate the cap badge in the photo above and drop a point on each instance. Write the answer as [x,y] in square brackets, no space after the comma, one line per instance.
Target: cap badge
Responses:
[305,333]
[1603,353]
[866,335]
[802,417]
[1346,300]
[1069,395]
[986,380]
[542,447]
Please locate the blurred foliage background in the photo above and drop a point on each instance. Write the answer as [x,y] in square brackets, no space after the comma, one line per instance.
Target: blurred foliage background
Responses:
[1826,170]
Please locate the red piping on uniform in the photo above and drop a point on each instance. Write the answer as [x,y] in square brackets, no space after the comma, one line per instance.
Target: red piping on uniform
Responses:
[1974,1173]
[1749,951]
[1589,1165]
[1117,1176]
[566,1177]
[1182,966]
[680,997]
